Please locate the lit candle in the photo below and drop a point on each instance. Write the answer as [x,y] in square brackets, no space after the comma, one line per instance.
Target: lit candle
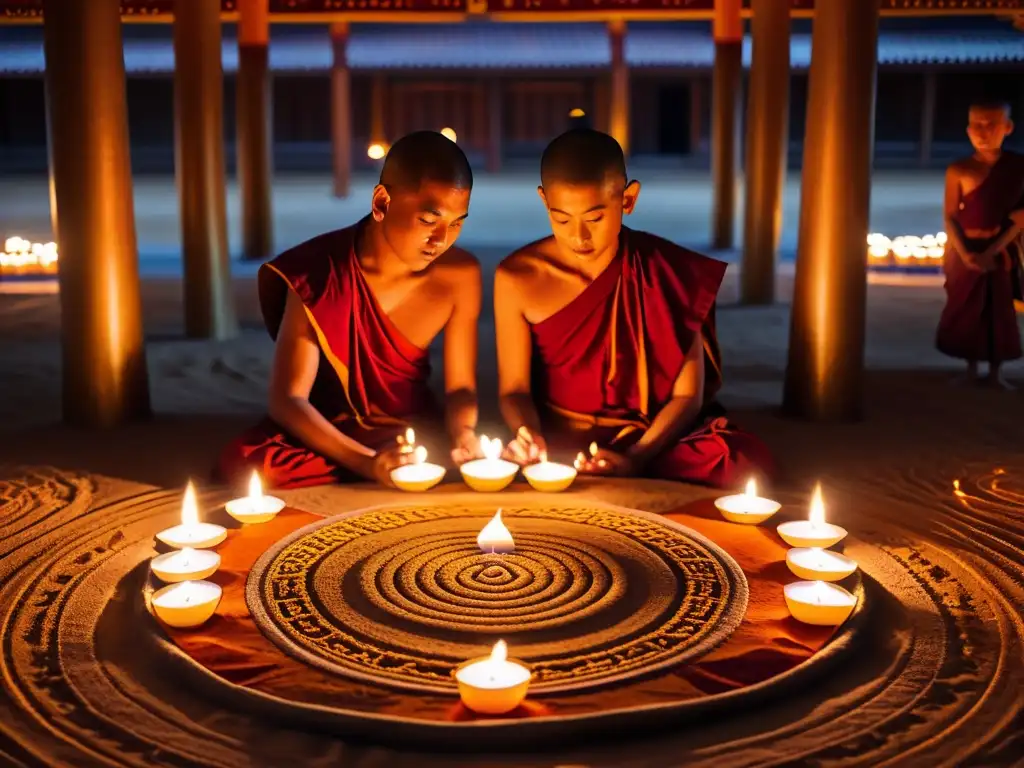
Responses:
[549,476]
[818,602]
[495,684]
[418,476]
[816,564]
[187,603]
[813,532]
[185,565]
[495,537]
[191,532]
[492,473]
[747,508]
[254,508]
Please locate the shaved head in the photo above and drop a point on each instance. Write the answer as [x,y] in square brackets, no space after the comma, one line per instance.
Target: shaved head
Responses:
[995,105]
[582,156]
[426,157]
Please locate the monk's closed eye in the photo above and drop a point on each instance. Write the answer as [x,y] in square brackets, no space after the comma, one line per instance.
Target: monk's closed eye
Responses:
[594,221]
[426,223]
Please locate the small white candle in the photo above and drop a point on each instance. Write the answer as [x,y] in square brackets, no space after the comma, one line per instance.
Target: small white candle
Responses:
[187,603]
[185,565]
[816,564]
[813,532]
[548,476]
[191,532]
[495,538]
[819,603]
[254,508]
[494,684]
[747,508]
[492,473]
[420,475]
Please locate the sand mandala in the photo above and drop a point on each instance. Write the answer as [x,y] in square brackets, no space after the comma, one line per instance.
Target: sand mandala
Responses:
[592,595]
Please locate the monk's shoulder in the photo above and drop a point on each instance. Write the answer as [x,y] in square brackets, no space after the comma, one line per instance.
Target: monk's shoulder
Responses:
[656,249]
[526,264]
[459,270]
[308,267]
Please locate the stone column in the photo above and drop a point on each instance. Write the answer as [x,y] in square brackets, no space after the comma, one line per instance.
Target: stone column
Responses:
[254,130]
[341,110]
[726,89]
[824,375]
[103,354]
[767,144]
[199,156]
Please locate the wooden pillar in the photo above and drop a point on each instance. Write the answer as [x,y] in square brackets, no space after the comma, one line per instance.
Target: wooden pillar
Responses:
[495,125]
[767,140]
[341,111]
[602,99]
[199,156]
[618,118]
[726,86]
[826,342]
[696,114]
[378,97]
[103,356]
[254,143]
[929,97]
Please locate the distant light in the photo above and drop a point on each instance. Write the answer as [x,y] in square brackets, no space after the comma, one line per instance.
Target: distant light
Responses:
[450,134]
[577,112]
[376,151]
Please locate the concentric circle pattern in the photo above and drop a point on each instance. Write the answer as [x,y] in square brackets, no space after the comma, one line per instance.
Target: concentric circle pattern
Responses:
[590,596]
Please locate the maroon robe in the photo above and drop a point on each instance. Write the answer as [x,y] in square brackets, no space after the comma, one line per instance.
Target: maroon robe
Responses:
[979,322]
[372,380]
[605,364]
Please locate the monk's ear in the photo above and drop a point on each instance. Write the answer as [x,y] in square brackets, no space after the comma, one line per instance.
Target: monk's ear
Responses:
[1009,126]
[629,196]
[380,202]
[543,198]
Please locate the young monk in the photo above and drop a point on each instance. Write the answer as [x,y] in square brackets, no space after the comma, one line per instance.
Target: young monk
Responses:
[606,335]
[984,195]
[353,313]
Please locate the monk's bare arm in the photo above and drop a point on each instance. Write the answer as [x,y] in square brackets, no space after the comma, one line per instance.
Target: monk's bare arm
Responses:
[679,413]
[460,350]
[1008,236]
[951,206]
[514,345]
[296,360]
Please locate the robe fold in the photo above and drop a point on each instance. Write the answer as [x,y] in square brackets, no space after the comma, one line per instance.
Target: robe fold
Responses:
[372,381]
[605,364]
[979,322]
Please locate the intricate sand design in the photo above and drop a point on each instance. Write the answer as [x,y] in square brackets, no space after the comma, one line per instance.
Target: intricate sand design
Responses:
[592,594]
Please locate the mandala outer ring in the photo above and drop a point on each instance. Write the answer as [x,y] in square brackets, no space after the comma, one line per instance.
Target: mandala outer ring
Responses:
[732,605]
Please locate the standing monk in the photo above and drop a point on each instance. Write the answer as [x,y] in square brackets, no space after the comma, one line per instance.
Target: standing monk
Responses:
[353,313]
[606,335]
[984,193]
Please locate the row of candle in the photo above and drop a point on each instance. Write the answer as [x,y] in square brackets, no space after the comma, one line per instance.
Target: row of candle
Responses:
[815,599]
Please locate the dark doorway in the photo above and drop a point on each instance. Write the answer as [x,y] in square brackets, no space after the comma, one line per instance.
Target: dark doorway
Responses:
[674,119]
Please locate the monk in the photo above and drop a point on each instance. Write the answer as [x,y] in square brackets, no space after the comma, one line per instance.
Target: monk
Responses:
[982,263]
[352,313]
[606,335]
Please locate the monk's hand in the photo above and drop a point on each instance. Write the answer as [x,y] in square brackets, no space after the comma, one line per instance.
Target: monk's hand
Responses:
[602,461]
[527,448]
[978,262]
[384,462]
[466,447]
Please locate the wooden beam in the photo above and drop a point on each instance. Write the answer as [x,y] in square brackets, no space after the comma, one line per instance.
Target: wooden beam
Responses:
[619,110]
[341,111]
[727,87]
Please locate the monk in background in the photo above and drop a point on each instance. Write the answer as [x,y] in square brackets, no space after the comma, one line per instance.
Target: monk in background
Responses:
[606,335]
[352,313]
[982,263]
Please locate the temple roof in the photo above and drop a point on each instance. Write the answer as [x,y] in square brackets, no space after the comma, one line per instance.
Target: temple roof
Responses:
[495,46]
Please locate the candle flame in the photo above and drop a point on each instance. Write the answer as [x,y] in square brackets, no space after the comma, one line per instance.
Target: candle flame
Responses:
[499,653]
[419,455]
[817,516]
[410,436]
[593,449]
[495,537]
[751,487]
[255,486]
[189,506]
[491,448]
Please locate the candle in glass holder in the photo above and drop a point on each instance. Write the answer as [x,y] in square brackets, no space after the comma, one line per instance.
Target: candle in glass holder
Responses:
[254,508]
[185,565]
[747,508]
[819,602]
[187,603]
[813,532]
[420,475]
[495,684]
[548,476]
[495,538]
[816,564]
[192,533]
[492,473]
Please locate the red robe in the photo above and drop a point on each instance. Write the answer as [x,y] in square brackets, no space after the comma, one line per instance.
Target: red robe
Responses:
[606,363]
[372,380]
[979,322]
